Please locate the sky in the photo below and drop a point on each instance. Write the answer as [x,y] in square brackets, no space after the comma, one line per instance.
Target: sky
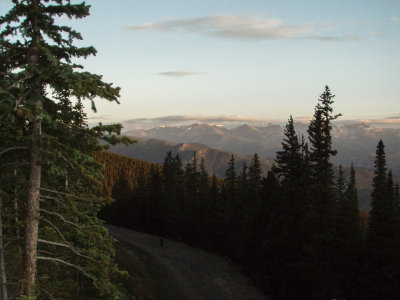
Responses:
[253,59]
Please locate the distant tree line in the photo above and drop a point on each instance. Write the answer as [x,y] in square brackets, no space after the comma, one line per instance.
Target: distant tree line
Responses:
[297,232]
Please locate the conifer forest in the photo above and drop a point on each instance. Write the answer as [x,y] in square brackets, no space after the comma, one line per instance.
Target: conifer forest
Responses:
[297,232]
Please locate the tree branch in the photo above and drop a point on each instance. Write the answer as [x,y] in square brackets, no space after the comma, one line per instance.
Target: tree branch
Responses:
[13,148]
[55,227]
[65,194]
[80,269]
[48,294]
[18,101]
[61,217]
[69,246]
[53,198]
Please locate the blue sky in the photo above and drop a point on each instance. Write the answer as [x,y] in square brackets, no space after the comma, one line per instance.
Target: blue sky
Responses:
[253,58]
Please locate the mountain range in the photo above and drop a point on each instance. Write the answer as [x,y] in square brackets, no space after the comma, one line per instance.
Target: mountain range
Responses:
[356,143]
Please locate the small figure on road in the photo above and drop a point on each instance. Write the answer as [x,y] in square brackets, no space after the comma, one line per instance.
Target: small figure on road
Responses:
[161,242]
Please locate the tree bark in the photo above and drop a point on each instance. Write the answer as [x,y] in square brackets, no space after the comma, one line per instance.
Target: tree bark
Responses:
[4,295]
[33,208]
[31,225]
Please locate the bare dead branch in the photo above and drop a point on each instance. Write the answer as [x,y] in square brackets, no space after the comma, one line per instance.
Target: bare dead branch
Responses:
[55,227]
[61,217]
[68,162]
[15,164]
[65,194]
[69,246]
[12,148]
[48,294]
[80,269]
[53,198]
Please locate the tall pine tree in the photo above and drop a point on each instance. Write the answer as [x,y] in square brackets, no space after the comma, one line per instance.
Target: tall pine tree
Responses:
[324,203]
[36,60]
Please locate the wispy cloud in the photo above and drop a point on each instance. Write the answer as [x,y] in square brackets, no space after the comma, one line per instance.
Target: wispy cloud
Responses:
[394,117]
[180,118]
[395,20]
[179,73]
[101,117]
[378,33]
[241,27]
[386,121]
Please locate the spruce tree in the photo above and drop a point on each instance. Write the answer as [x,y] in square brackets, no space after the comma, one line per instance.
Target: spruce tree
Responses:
[230,183]
[291,233]
[289,160]
[383,240]
[254,178]
[349,247]
[324,203]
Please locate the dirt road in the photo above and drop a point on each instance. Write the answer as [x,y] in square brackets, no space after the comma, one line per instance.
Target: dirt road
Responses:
[191,273]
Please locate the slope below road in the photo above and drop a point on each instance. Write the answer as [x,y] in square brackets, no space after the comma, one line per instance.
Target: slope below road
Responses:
[191,273]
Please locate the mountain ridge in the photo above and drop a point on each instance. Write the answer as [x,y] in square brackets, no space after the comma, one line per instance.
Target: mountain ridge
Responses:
[356,143]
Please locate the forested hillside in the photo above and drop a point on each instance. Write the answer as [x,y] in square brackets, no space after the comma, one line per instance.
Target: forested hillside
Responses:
[154,150]
[215,161]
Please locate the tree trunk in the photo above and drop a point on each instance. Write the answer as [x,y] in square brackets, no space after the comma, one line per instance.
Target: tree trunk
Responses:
[31,225]
[32,213]
[16,221]
[4,295]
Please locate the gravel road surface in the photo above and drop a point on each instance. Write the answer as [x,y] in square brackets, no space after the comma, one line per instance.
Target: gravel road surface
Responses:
[194,274]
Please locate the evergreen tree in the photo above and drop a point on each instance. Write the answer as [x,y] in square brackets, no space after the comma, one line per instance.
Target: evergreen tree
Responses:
[324,203]
[289,160]
[254,178]
[191,179]
[36,57]
[204,184]
[397,194]
[349,230]
[230,184]
[155,196]
[203,225]
[290,235]
[383,240]
[173,183]
[242,182]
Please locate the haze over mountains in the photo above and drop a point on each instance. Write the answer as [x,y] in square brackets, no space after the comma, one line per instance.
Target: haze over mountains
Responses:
[356,143]
[216,143]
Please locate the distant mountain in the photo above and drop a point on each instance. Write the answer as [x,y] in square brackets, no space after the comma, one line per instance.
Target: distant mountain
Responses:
[355,142]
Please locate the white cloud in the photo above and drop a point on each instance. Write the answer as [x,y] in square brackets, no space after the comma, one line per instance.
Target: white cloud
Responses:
[240,27]
[179,73]
[395,20]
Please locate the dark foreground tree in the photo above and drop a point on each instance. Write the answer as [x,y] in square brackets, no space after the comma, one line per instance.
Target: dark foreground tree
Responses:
[291,223]
[323,197]
[45,90]
[383,240]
